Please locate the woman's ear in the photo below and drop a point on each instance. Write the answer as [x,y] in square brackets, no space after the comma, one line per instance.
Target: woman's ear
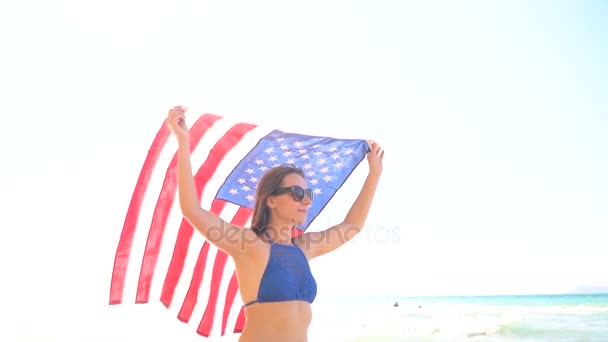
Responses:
[271,202]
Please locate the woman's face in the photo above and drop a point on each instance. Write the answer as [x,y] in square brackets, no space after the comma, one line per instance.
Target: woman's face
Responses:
[293,199]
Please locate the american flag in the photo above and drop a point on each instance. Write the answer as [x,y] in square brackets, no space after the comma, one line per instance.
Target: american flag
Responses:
[161,257]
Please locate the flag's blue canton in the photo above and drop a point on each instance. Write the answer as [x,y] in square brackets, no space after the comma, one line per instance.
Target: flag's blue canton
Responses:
[327,163]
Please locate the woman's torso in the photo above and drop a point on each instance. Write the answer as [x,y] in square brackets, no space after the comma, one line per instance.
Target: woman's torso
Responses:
[284,320]
[279,321]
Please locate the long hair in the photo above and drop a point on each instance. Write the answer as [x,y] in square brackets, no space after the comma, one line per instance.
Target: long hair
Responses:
[270,181]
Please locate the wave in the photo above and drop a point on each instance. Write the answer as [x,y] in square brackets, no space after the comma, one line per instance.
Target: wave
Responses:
[555,333]
[485,308]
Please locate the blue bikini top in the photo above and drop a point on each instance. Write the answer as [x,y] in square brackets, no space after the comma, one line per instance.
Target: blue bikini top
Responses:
[287,276]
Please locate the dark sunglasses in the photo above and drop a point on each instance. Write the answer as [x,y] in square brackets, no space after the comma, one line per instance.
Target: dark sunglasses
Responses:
[297,192]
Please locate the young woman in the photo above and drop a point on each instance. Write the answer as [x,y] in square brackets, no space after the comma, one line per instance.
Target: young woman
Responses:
[274,276]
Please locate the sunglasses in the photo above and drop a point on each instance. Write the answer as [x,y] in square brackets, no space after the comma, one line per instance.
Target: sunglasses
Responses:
[297,192]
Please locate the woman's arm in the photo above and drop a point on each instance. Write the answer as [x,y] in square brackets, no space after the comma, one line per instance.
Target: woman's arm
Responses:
[319,243]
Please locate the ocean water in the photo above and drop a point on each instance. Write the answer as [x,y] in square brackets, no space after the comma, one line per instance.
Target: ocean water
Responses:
[526,318]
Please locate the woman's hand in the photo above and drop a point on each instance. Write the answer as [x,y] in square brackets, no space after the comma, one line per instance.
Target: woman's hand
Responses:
[176,121]
[375,157]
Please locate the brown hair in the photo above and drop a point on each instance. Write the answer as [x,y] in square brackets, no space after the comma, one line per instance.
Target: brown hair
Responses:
[271,180]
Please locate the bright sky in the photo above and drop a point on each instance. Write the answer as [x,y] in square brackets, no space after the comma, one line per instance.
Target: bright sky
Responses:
[493,116]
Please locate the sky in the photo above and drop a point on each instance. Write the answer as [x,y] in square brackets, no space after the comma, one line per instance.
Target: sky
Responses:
[493,116]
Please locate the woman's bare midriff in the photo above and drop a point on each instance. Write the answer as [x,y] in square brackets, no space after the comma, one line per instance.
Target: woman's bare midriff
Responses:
[277,322]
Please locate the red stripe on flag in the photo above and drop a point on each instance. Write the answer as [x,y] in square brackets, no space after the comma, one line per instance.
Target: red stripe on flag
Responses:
[121,260]
[233,288]
[176,266]
[240,321]
[199,269]
[162,209]
[296,232]
[204,328]
[195,283]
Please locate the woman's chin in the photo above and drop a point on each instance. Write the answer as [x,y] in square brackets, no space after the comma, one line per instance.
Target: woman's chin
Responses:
[299,221]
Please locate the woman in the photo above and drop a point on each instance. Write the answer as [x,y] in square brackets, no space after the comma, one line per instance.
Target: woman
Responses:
[275,281]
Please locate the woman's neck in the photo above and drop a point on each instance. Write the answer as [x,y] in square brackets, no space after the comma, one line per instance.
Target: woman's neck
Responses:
[280,232]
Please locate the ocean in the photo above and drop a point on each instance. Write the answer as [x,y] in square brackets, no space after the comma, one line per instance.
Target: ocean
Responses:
[526,318]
